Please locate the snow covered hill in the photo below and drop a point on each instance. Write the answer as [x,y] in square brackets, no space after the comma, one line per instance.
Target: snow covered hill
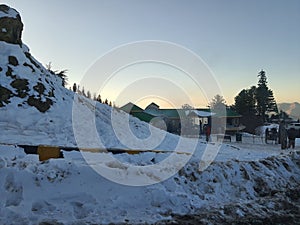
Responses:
[36,109]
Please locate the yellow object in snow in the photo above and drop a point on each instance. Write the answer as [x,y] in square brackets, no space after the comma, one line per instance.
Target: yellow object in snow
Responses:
[48,152]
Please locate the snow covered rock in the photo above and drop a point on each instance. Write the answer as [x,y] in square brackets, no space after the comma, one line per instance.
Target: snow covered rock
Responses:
[11,25]
[24,81]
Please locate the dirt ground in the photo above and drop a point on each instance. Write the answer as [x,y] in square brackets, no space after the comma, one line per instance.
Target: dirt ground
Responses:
[277,208]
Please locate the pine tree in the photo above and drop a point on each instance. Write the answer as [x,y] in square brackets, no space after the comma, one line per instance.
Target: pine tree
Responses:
[88,94]
[272,106]
[62,74]
[99,99]
[74,87]
[264,97]
[218,103]
[83,92]
[245,102]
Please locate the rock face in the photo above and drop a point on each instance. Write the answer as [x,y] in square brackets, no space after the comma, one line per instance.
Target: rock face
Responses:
[24,81]
[11,25]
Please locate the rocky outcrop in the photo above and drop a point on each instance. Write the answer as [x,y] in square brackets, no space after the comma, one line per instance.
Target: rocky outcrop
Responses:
[11,25]
[24,81]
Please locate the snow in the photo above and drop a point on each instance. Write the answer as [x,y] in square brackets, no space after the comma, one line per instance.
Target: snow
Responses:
[171,175]
[70,191]
[200,113]
[12,13]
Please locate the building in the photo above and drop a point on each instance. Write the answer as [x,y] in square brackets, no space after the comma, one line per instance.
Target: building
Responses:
[186,121]
[137,112]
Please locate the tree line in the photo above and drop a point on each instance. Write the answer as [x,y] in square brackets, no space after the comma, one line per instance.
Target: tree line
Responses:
[257,100]
[255,104]
[87,94]
[76,88]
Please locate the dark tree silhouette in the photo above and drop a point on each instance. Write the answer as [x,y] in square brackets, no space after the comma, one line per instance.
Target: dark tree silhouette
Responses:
[74,87]
[88,94]
[83,92]
[63,76]
[264,97]
[99,99]
[245,102]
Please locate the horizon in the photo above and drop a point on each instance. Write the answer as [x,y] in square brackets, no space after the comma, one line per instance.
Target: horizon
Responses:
[236,39]
[144,104]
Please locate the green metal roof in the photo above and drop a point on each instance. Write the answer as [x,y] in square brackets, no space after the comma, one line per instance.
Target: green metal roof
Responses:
[130,108]
[147,115]
[232,113]
[169,113]
[143,116]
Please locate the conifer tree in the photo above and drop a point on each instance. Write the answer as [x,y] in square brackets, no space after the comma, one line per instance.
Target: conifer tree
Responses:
[88,94]
[74,87]
[264,97]
[245,102]
[218,103]
[99,99]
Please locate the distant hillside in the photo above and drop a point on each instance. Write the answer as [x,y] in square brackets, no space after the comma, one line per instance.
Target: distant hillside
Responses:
[293,109]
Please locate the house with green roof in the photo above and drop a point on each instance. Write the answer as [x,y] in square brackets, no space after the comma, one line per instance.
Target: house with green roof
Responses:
[231,119]
[194,119]
[137,112]
[171,117]
[130,108]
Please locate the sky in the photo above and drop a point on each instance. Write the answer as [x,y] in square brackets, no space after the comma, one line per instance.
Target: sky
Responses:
[234,38]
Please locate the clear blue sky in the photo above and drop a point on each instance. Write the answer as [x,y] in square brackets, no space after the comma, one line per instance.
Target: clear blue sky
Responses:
[236,38]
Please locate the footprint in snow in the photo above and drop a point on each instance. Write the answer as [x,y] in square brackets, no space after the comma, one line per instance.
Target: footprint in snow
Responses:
[14,191]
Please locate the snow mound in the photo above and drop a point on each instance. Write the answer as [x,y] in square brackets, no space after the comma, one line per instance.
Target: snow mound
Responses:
[68,191]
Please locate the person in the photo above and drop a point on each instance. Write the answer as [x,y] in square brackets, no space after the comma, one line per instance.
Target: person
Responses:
[274,134]
[207,133]
[283,135]
[200,131]
[292,133]
[267,135]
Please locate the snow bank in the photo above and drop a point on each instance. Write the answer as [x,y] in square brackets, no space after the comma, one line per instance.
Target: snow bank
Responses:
[10,12]
[69,191]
